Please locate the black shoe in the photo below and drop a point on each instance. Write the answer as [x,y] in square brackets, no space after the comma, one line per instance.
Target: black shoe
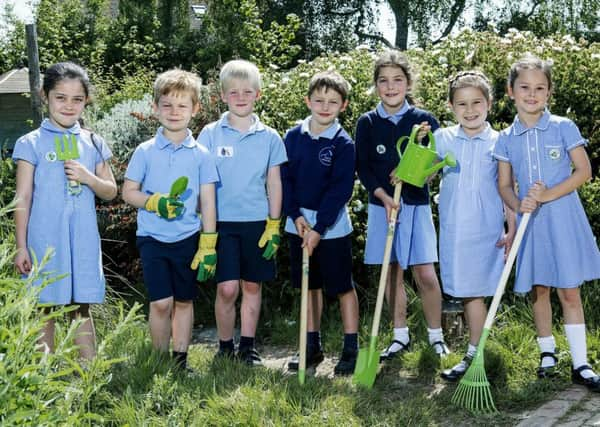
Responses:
[548,371]
[249,356]
[389,355]
[312,360]
[592,383]
[225,353]
[440,348]
[456,374]
[346,364]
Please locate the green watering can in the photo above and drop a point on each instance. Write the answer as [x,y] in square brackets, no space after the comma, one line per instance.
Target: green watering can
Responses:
[417,162]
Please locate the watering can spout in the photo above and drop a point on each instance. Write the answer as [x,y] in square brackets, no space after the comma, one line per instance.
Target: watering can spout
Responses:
[449,160]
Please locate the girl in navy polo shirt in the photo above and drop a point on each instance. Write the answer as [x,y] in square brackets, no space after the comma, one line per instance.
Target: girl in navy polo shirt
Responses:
[415,242]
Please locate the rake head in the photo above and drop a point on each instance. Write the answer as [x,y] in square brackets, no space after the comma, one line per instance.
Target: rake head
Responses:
[66,149]
[473,392]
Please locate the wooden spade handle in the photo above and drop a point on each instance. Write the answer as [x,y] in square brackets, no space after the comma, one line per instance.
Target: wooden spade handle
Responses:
[385,263]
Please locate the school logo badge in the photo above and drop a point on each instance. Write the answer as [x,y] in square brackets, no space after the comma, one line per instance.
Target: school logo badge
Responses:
[554,153]
[326,155]
[224,151]
[51,156]
[380,149]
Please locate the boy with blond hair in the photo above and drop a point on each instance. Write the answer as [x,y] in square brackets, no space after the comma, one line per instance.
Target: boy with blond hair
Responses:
[318,180]
[248,155]
[168,225]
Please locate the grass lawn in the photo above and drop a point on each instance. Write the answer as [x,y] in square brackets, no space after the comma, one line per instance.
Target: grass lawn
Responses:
[147,390]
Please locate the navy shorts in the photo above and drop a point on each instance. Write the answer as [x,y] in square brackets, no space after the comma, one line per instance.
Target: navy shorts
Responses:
[238,254]
[330,266]
[166,268]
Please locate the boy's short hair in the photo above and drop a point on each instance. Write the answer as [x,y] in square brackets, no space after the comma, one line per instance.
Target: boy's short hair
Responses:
[178,81]
[329,80]
[242,70]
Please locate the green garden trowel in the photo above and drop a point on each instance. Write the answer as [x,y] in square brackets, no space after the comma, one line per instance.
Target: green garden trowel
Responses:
[66,149]
[178,187]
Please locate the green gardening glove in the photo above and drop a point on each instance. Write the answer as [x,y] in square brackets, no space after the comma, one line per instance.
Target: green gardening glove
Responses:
[205,259]
[270,238]
[165,206]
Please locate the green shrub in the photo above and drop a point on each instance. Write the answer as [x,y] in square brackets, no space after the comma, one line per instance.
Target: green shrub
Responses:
[38,388]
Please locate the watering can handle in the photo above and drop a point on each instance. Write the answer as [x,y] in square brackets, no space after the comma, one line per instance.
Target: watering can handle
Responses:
[412,140]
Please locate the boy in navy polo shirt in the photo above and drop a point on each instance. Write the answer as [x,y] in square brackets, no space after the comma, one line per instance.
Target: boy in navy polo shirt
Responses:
[317,184]
[167,223]
[248,155]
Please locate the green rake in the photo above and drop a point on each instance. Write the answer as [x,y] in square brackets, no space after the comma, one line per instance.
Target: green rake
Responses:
[66,149]
[473,391]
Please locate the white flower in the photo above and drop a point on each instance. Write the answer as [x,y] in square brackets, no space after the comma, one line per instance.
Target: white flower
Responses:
[273,67]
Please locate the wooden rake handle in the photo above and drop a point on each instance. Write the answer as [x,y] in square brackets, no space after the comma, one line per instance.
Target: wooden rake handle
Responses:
[512,254]
[385,263]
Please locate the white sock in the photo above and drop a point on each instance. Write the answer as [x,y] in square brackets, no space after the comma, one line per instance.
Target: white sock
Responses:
[400,334]
[471,350]
[435,336]
[547,345]
[576,338]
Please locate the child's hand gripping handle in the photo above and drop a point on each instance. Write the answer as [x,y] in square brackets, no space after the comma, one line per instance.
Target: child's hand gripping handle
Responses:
[165,206]
[205,259]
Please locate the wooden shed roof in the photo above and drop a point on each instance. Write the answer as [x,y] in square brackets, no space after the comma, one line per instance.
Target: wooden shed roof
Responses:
[15,81]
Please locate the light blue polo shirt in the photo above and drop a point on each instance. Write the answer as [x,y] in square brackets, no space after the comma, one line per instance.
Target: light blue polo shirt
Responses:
[342,225]
[243,160]
[156,164]
[397,116]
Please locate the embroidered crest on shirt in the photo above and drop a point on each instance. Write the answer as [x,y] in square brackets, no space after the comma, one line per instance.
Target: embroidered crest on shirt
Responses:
[224,151]
[51,156]
[554,153]
[380,149]
[325,155]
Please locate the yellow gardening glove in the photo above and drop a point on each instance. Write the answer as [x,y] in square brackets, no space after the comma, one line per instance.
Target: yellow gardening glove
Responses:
[205,259]
[165,206]
[270,237]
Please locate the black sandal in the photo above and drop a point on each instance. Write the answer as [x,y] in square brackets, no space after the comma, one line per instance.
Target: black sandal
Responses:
[592,383]
[454,374]
[548,371]
[389,355]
